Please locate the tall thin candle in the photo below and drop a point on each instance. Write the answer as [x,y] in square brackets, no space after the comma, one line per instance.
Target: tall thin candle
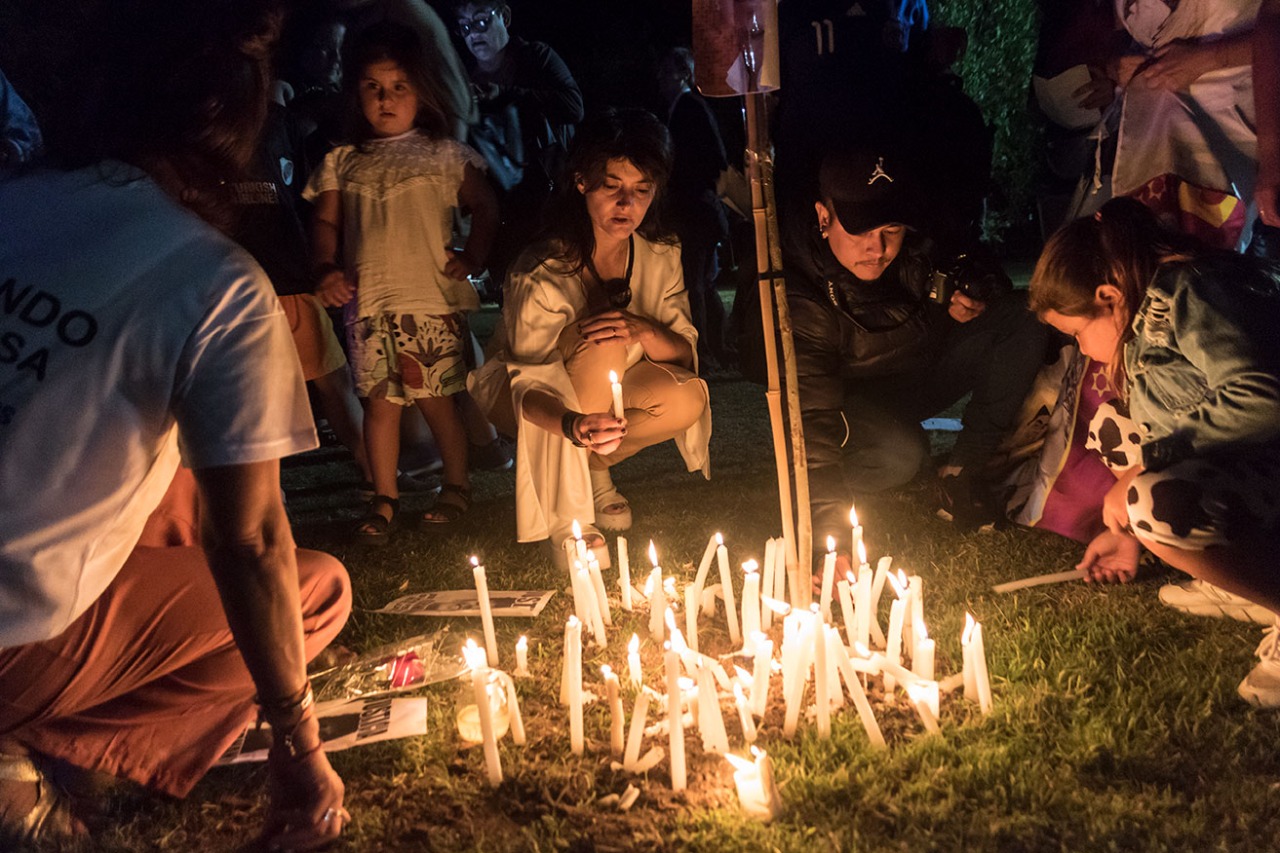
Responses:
[828,577]
[615,710]
[624,574]
[750,600]
[675,723]
[486,610]
[573,652]
[726,583]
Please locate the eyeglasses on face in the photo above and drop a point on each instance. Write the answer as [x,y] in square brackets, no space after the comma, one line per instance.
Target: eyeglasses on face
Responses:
[480,23]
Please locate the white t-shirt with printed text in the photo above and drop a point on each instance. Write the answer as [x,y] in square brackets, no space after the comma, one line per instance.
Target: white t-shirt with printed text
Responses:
[131,333]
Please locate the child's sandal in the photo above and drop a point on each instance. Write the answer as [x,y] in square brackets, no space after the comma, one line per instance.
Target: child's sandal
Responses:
[375,528]
[452,503]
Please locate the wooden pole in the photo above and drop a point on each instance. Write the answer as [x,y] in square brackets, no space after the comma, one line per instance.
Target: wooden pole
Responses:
[796,522]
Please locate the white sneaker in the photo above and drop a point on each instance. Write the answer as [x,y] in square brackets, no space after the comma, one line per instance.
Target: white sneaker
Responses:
[1261,686]
[1202,598]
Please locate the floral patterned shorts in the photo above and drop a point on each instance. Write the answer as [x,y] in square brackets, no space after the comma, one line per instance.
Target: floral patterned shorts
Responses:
[406,357]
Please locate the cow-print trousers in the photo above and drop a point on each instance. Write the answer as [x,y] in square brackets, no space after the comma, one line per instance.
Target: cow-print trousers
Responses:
[1209,499]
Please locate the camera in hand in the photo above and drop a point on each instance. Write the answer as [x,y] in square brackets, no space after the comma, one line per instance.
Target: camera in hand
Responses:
[976,279]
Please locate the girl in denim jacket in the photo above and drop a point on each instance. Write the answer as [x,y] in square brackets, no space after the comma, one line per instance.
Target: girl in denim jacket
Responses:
[1190,335]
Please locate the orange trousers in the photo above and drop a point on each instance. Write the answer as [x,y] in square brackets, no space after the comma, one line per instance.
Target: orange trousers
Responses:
[148,684]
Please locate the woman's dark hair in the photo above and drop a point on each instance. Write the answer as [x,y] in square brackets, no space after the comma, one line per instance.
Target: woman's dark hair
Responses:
[391,42]
[617,134]
[177,89]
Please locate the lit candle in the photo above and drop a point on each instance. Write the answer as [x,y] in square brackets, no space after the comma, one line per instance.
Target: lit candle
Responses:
[856,541]
[726,584]
[762,669]
[639,717]
[522,657]
[657,596]
[579,545]
[846,607]
[828,577]
[624,574]
[597,585]
[757,790]
[633,663]
[513,710]
[616,387]
[675,723]
[920,696]
[691,615]
[573,651]
[615,710]
[893,649]
[564,668]
[766,583]
[486,611]
[484,706]
[750,600]
[744,714]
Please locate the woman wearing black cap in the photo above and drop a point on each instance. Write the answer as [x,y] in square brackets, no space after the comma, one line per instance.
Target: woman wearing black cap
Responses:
[886,337]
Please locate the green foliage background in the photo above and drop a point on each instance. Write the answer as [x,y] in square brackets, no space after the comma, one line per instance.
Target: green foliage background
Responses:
[996,70]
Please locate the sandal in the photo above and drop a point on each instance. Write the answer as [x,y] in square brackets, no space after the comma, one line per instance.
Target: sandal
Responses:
[596,543]
[375,528]
[613,511]
[50,818]
[450,506]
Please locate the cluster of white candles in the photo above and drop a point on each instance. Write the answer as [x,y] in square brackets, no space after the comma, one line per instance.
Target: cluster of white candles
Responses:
[812,649]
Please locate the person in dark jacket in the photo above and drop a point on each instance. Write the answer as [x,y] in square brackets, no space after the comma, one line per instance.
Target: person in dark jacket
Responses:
[525,88]
[887,335]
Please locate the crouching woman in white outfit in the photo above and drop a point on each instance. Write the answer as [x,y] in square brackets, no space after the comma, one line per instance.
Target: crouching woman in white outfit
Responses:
[603,291]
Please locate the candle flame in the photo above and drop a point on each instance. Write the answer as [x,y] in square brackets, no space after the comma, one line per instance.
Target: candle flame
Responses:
[669,587]
[922,632]
[738,762]
[853,515]
[522,643]
[653,554]
[577,529]
[779,607]
[573,622]
[474,656]
[719,539]
[744,677]
[750,566]
[862,553]
[738,695]
[475,561]
[899,587]
[606,671]
[613,377]
[902,579]
[968,629]
[633,647]
[849,577]
[591,557]
[831,544]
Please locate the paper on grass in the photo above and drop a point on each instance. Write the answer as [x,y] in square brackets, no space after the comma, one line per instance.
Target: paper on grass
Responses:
[344,723]
[1057,98]
[463,602]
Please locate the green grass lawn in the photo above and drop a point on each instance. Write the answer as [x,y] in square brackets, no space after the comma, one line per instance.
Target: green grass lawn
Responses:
[1116,723]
